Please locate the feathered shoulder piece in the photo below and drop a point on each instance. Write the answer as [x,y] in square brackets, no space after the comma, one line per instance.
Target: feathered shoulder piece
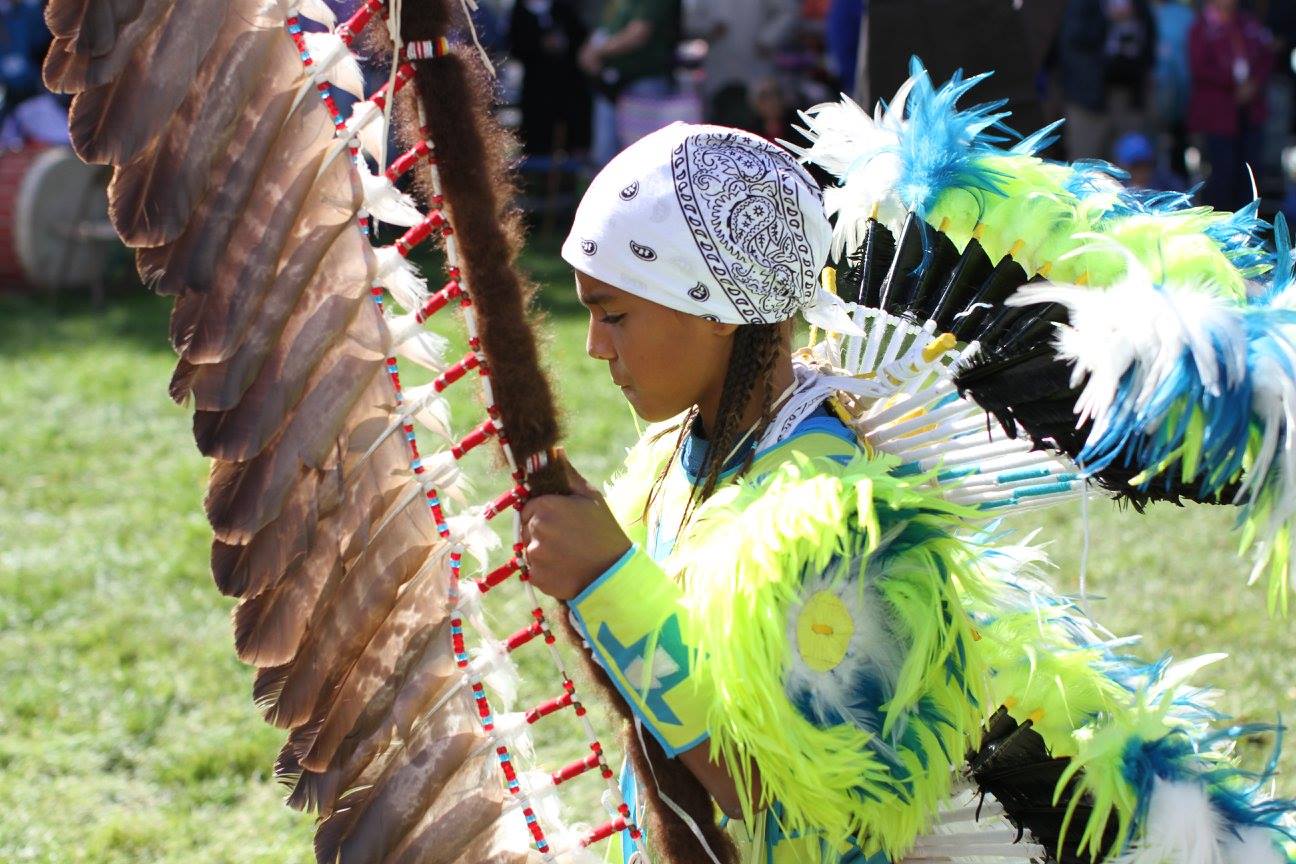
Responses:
[855,635]
[856,733]
[1142,339]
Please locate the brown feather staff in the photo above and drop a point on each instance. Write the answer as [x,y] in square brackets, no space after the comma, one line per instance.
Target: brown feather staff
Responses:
[453,87]
[232,183]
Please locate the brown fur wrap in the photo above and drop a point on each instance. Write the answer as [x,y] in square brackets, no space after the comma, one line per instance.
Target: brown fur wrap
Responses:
[470,151]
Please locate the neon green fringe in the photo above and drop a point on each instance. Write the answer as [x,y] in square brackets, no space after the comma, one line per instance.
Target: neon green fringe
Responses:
[954,601]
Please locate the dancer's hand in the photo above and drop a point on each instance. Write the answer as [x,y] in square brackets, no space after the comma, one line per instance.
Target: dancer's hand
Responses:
[570,539]
[590,59]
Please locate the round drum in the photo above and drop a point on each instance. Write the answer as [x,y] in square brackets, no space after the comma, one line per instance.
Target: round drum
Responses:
[54,229]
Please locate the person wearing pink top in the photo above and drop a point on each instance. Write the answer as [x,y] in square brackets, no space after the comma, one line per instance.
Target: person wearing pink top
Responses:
[1230,57]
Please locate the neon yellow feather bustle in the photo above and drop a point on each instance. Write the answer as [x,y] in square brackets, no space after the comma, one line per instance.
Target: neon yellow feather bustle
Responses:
[960,602]
[1052,666]
[1026,217]
[741,563]
[1048,228]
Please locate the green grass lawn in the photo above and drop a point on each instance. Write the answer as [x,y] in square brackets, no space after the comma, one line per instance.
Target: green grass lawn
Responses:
[127,732]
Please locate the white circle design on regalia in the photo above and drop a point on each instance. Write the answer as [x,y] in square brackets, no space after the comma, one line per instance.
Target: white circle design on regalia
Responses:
[742,204]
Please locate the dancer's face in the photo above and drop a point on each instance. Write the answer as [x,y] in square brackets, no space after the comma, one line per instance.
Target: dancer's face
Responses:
[664,361]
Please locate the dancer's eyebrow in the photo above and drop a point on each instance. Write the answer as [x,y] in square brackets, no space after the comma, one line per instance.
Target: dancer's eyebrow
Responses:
[594,298]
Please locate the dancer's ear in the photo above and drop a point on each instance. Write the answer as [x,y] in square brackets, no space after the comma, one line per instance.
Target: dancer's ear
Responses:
[723,330]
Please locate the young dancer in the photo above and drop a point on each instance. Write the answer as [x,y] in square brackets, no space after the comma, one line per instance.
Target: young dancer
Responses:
[809,633]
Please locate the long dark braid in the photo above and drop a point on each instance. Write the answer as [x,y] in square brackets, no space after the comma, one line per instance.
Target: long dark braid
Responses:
[751,365]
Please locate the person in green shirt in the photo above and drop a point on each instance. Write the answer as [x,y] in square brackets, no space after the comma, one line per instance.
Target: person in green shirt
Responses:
[631,54]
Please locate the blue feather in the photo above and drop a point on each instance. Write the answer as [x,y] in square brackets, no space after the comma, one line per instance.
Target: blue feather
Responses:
[1282,274]
[1038,141]
[1089,176]
[1240,236]
[1189,752]
[1178,757]
[941,146]
[1229,422]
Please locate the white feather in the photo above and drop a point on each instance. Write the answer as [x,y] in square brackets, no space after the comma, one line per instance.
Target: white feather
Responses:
[1182,828]
[366,125]
[442,476]
[568,849]
[1252,845]
[316,10]
[1141,329]
[384,200]
[409,294]
[861,150]
[321,12]
[400,277]
[416,344]
[1135,326]
[492,662]
[512,729]
[425,349]
[472,530]
[332,61]
[542,795]
[428,408]
[403,327]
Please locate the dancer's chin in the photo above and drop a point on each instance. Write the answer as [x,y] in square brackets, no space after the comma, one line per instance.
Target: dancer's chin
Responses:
[645,410]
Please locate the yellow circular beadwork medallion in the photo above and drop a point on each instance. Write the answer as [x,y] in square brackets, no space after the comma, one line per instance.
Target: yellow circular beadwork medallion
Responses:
[824,628]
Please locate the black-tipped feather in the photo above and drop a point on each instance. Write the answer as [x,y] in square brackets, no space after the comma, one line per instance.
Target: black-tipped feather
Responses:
[1014,765]
[965,278]
[897,287]
[936,267]
[1006,277]
[879,249]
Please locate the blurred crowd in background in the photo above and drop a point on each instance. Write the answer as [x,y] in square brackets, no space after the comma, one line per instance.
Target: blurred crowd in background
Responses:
[1181,95]
[1190,96]
[29,114]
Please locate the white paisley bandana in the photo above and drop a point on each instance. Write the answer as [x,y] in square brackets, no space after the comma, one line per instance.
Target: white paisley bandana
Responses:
[711,221]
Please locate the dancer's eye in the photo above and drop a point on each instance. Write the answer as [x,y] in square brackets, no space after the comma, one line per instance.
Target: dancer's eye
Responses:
[611,319]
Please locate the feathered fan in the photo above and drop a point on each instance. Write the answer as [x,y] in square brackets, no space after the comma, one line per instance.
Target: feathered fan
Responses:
[244,190]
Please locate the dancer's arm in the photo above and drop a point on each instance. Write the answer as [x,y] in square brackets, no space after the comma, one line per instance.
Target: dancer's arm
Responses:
[579,554]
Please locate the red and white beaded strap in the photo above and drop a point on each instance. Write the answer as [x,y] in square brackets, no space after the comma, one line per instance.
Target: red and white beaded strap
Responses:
[464,602]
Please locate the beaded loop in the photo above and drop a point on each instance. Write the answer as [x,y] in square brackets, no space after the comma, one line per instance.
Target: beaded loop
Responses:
[427,49]
[455,288]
